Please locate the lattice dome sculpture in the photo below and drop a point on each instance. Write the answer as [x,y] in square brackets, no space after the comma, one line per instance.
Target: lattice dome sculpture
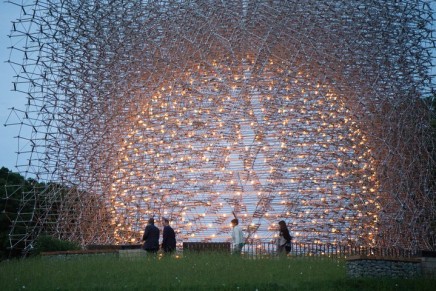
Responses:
[313,112]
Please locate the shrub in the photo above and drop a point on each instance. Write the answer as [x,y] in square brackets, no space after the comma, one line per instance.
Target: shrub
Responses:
[47,243]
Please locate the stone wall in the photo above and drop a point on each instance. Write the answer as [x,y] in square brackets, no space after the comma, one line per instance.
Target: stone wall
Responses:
[372,266]
[428,266]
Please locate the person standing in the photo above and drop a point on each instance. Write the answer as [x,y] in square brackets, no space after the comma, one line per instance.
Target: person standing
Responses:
[284,240]
[168,237]
[151,237]
[237,237]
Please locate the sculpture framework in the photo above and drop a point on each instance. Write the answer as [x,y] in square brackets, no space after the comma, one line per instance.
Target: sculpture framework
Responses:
[313,112]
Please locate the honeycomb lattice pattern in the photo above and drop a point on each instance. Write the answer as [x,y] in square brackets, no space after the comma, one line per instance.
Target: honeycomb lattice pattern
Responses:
[307,111]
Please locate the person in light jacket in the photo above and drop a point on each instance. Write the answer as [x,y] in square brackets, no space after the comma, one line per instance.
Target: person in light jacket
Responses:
[237,237]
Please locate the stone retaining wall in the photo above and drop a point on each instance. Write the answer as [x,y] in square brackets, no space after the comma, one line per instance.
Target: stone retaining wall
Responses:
[428,266]
[372,266]
[78,252]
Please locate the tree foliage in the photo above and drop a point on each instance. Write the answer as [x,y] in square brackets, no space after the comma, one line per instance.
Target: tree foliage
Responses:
[12,187]
[47,243]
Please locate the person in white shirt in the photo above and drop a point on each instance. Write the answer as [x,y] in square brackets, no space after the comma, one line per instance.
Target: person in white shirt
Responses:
[237,237]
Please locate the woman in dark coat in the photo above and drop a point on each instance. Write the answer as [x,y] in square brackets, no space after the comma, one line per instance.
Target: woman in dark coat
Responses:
[284,240]
[151,237]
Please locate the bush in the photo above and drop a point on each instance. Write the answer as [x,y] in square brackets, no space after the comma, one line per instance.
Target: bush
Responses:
[47,243]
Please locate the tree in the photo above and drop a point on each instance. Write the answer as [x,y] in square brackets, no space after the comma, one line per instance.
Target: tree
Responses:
[12,187]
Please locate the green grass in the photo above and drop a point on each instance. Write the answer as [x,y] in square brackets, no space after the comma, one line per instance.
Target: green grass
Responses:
[191,272]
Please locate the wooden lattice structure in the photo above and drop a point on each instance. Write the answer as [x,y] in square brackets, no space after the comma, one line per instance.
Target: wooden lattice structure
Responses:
[309,111]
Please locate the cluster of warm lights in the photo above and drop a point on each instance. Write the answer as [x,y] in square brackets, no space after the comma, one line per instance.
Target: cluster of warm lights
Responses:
[195,110]
[249,144]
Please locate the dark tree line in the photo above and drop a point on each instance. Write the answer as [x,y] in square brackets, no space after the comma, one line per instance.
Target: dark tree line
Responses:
[37,212]
[12,186]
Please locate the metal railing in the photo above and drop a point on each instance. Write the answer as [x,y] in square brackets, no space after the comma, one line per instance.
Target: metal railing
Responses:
[265,249]
[326,250]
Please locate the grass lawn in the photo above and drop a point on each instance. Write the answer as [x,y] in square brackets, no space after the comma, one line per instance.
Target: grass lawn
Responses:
[190,272]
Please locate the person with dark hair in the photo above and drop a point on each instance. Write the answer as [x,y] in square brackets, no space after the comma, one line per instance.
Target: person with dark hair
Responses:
[284,240]
[151,237]
[168,237]
[237,237]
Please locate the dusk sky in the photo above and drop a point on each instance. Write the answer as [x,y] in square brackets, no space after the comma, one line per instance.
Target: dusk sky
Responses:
[8,98]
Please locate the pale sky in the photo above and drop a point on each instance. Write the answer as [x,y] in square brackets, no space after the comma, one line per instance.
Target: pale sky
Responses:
[9,99]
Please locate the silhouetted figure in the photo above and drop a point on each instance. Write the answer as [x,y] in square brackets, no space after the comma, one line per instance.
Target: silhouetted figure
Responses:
[169,237]
[151,237]
[284,240]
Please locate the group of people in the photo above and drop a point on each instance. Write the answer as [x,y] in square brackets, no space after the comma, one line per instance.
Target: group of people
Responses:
[283,242]
[151,237]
